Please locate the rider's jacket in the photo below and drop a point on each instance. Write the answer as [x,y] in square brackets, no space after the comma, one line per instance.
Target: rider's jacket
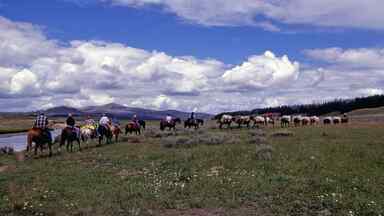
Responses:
[70,121]
[104,121]
[41,122]
[90,122]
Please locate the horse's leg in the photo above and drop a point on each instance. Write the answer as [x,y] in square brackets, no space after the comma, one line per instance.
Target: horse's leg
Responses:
[78,141]
[50,148]
[36,146]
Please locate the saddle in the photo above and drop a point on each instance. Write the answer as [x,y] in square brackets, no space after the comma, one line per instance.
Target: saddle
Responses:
[74,131]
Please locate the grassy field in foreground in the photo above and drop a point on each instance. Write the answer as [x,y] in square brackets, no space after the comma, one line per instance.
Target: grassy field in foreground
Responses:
[336,170]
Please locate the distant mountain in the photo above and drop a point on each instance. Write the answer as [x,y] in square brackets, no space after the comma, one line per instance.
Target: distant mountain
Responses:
[121,111]
[62,111]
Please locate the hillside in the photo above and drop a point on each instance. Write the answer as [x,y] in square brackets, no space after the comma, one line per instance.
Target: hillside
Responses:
[367,111]
[120,111]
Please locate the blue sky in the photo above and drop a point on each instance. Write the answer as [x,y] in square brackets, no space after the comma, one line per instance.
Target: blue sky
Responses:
[217,38]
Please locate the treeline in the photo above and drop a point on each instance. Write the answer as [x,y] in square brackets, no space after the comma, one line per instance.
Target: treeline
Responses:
[338,105]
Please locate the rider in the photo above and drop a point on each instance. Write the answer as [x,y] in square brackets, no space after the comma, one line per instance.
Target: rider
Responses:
[42,123]
[135,120]
[192,116]
[71,124]
[168,118]
[89,122]
[104,120]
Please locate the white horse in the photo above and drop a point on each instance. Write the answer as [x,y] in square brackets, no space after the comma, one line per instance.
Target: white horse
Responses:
[86,134]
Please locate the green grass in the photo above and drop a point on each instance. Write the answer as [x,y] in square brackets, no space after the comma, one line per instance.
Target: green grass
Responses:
[328,169]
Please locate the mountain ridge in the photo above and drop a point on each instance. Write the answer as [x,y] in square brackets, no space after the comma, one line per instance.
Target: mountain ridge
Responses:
[120,111]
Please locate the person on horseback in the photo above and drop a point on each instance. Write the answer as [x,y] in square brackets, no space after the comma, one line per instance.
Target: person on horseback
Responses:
[89,122]
[104,122]
[71,124]
[168,118]
[135,120]
[192,116]
[42,123]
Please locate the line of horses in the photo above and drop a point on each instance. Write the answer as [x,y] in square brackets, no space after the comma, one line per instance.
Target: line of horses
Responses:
[285,121]
[247,121]
[105,134]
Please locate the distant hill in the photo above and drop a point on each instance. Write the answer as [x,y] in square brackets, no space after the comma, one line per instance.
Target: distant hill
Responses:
[367,111]
[120,111]
[62,110]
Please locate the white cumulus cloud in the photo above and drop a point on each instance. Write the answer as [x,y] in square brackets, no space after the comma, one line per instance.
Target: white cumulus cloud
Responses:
[263,71]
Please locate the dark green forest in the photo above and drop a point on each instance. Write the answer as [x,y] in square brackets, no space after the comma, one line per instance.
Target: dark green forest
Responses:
[338,105]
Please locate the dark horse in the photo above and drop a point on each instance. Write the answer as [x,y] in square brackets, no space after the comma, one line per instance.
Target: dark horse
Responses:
[132,127]
[40,138]
[169,124]
[142,124]
[193,123]
[69,135]
[105,131]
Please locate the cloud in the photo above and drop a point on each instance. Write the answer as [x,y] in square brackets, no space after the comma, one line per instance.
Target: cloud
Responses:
[165,102]
[263,71]
[24,82]
[23,43]
[370,91]
[356,58]
[39,73]
[328,13]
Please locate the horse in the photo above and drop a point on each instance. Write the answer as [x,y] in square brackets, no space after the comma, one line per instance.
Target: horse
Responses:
[193,123]
[285,121]
[225,120]
[105,131]
[258,120]
[69,135]
[87,133]
[40,138]
[243,120]
[142,124]
[169,124]
[297,121]
[116,132]
[132,127]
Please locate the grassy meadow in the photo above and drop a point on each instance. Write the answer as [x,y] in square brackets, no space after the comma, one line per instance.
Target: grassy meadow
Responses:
[333,170]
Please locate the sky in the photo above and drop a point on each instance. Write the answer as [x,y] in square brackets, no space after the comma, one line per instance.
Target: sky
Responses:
[190,55]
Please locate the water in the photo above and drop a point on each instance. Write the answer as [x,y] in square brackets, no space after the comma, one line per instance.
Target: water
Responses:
[11,140]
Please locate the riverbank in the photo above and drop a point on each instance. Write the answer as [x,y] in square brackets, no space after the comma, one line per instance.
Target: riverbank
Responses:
[12,131]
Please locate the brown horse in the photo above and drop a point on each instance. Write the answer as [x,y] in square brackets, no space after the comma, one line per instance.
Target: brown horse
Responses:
[169,124]
[40,138]
[132,127]
[105,131]
[116,131]
[69,135]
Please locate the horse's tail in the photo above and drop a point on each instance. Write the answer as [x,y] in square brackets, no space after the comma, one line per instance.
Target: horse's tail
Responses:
[29,141]
[63,137]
